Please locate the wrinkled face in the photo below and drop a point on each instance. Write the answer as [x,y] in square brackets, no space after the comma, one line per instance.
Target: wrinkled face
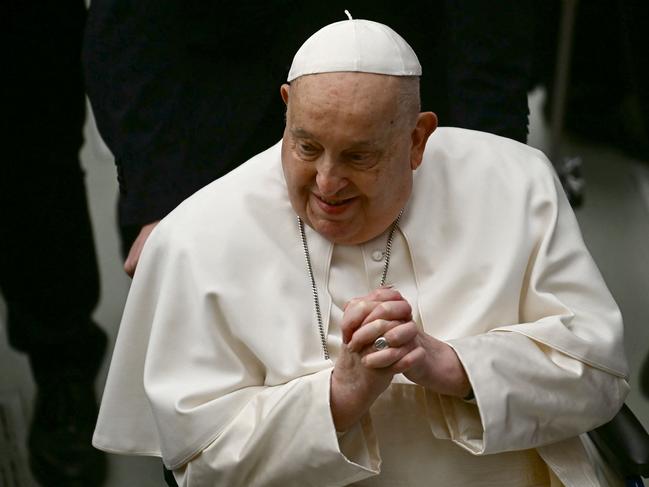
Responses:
[348,155]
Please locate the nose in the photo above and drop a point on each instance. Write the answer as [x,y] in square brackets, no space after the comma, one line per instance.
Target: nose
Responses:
[330,178]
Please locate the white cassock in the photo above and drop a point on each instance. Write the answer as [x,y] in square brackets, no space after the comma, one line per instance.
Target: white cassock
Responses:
[219,369]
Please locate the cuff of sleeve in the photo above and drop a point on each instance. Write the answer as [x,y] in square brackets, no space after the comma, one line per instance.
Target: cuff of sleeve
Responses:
[479,427]
[311,450]
[360,447]
[457,419]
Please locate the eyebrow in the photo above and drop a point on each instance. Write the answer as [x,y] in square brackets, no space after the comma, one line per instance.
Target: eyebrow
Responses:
[304,134]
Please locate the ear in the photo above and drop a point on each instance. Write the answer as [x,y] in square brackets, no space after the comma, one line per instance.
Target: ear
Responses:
[426,125]
[284,92]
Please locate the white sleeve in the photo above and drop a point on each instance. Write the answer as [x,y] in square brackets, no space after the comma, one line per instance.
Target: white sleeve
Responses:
[284,436]
[560,371]
[219,420]
[526,395]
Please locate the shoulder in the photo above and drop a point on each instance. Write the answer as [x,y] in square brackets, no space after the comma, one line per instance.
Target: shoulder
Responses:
[479,160]
[483,150]
[229,211]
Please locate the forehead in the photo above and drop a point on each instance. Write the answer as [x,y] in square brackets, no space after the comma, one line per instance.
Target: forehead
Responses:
[357,98]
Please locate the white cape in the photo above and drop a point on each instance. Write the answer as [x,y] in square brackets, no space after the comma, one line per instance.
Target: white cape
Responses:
[219,346]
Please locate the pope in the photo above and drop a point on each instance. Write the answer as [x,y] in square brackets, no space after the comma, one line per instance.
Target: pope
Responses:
[372,301]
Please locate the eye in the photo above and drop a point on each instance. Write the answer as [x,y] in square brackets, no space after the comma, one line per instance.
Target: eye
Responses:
[306,149]
[361,160]
[358,157]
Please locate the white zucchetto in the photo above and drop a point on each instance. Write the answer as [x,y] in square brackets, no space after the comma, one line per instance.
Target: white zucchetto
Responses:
[355,45]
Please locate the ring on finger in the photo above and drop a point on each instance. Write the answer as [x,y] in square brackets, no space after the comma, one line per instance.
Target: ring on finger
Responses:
[381,343]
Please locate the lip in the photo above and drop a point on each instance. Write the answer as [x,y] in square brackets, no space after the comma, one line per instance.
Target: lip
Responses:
[336,209]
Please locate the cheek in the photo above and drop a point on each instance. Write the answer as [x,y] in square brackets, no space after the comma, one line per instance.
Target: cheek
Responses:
[297,177]
[371,185]
[379,182]
[302,179]
[389,188]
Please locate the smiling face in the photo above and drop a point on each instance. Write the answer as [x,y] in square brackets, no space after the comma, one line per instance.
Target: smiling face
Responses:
[348,152]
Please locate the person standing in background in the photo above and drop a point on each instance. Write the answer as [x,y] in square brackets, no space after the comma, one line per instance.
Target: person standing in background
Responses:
[48,268]
[182,92]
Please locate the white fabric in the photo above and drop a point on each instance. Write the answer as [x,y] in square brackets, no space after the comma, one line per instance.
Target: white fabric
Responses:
[218,364]
[355,45]
[399,417]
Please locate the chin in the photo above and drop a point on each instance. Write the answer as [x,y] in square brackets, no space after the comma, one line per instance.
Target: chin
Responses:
[335,232]
[338,232]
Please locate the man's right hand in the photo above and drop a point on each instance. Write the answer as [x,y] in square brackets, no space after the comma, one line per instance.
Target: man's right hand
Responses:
[355,387]
[133,256]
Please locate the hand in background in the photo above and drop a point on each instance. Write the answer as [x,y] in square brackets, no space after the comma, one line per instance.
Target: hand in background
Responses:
[133,257]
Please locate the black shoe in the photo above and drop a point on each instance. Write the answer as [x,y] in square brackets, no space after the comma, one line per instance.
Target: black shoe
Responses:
[61,454]
[65,413]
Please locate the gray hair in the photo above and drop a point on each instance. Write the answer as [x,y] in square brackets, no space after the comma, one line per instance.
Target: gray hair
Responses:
[409,100]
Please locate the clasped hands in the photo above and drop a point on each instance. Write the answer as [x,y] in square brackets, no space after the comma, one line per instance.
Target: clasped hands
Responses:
[362,373]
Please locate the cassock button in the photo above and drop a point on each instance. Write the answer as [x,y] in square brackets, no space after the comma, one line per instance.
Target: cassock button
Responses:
[377,255]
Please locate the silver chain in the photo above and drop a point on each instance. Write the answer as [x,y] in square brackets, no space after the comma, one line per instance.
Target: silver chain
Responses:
[314,288]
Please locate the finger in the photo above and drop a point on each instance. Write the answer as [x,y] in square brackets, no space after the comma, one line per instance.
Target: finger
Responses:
[385,293]
[133,257]
[416,356]
[354,315]
[402,334]
[380,294]
[368,333]
[129,267]
[390,310]
[358,309]
[386,358]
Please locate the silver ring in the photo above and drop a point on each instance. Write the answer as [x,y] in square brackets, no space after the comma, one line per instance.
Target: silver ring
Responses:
[381,343]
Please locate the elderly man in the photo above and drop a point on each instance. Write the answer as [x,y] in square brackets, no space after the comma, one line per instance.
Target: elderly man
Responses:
[368,303]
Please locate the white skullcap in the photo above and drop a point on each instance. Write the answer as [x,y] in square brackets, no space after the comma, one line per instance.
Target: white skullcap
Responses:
[355,45]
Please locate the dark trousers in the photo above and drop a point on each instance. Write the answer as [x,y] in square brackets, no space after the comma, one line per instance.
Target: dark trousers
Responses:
[48,269]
